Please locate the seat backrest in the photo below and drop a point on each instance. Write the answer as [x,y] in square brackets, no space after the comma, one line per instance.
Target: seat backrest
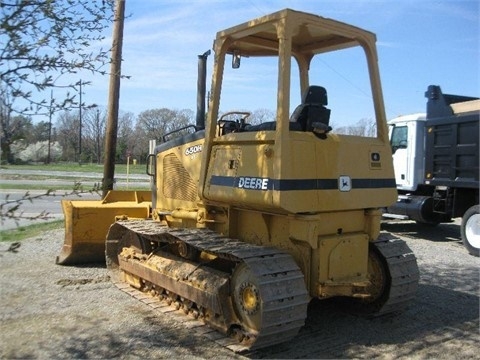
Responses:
[312,108]
[315,95]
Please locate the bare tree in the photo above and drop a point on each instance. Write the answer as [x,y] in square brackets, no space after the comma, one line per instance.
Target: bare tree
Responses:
[363,127]
[155,123]
[260,116]
[12,128]
[68,134]
[43,40]
[11,209]
[93,134]
[127,142]
[5,130]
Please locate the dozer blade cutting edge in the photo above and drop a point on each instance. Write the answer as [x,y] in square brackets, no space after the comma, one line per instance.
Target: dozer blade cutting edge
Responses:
[87,223]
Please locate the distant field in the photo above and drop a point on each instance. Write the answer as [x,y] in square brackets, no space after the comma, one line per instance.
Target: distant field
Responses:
[82,188]
[119,168]
[62,174]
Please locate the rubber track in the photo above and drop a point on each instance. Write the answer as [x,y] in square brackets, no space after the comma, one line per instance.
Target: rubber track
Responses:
[404,273]
[281,282]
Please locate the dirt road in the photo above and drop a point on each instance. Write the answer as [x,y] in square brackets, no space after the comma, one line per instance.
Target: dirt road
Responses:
[51,311]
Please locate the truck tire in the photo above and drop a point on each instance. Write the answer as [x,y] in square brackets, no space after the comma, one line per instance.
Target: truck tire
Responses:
[470,230]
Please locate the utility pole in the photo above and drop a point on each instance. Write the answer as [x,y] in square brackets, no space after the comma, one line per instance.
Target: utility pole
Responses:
[113,98]
[80,125]
[50,127]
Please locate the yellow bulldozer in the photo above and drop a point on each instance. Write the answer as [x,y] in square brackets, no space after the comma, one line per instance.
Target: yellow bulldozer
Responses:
[246,223]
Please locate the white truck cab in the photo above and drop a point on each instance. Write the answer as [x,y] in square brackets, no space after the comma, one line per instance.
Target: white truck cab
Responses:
[407,139]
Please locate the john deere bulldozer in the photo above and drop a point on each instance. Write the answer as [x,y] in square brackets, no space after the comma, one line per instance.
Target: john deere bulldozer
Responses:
[246,222]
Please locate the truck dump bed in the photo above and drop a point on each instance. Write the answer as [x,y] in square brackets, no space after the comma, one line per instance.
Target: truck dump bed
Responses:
[451,148]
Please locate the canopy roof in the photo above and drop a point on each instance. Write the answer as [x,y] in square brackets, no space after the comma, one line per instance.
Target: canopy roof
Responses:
[311,34]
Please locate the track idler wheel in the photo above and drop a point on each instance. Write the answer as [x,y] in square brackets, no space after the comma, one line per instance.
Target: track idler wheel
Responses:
[380,280]
[246,297]
[393,274]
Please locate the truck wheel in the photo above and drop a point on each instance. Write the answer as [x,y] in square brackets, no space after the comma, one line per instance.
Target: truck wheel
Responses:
[470,230]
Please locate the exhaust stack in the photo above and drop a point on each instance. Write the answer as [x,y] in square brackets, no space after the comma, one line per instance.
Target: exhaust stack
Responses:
[201,89]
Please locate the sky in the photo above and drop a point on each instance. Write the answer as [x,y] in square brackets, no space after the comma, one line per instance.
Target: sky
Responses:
[419,43]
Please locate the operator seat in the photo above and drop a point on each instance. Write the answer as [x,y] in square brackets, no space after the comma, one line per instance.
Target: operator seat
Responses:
[312,109]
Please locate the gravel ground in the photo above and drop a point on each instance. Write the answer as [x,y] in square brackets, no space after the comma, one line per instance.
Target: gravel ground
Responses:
[50,311]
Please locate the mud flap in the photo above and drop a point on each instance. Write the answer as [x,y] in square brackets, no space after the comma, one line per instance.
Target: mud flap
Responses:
[87,223]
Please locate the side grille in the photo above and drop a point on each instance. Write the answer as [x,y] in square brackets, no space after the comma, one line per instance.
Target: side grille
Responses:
[177,182]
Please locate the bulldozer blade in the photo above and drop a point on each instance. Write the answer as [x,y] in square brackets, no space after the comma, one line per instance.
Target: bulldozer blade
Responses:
[87,223]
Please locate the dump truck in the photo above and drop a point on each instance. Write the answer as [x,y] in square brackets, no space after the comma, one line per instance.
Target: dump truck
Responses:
[246,223]
[436,162]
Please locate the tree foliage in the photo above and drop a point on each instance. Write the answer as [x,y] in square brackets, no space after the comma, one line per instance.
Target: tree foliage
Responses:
[42,40]
[37,151]
[12,128]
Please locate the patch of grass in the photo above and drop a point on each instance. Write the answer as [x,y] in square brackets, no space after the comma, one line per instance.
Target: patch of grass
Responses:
[57,175]
[68,167]
[40,186]
[25,232]
[67,188]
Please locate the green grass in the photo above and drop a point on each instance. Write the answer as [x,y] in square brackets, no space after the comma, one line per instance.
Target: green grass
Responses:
[98,168]
[38,187]
[85,182]
[66,188]
[24,232]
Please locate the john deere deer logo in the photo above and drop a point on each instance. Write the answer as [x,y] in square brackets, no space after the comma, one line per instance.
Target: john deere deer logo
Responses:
[344,183]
